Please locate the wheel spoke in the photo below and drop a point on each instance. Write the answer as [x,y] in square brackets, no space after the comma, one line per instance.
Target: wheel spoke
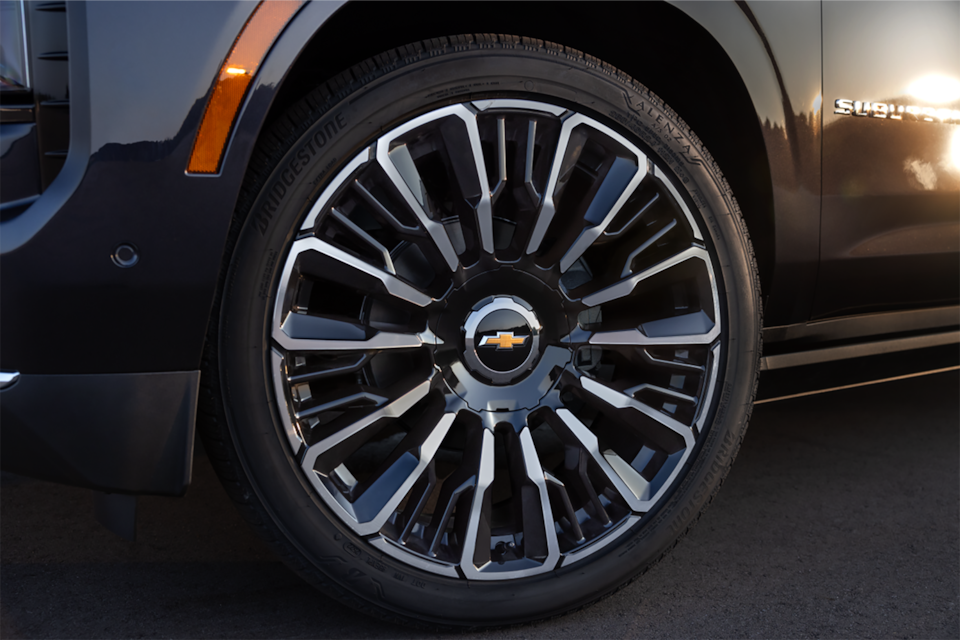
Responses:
[380,496]
[348,363]
[414,234]
[612,188]
[419,496]
[619,400]
[400,169]
[341,399]
[367,239]
[688,329]
[383,212]
[456,490]
[713,364]
[547,204]
[664,179]
[501,160]
[623,176]
[383,340]
[391,284]
[671,364]
[670,393]
[539,532]
[528,163]
[280,371]
[393,409]
[626,286]
[475,174]
[548,545]
[476,536]
[311,333]
[559,489]
[630,485]
[632,221]
[628,263]
[324,200]
[367,506]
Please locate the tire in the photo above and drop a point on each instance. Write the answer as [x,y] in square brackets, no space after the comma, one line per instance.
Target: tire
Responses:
[454,383]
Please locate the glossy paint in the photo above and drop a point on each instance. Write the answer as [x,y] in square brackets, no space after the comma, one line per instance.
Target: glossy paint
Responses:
[890,231]
[150,67]
[141,73]
[775,47]
[19,171]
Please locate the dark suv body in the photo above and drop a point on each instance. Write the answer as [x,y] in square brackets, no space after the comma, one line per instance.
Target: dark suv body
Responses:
[837,126]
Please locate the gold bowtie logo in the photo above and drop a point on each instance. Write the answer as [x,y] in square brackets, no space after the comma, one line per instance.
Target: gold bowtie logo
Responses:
[503,340]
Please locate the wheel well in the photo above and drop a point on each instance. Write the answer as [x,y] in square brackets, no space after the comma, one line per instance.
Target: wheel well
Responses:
[676,58]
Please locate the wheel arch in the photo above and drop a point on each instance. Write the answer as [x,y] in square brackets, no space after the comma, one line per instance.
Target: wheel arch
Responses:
[714,100]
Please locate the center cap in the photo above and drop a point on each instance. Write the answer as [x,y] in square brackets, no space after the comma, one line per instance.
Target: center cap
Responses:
[502,339]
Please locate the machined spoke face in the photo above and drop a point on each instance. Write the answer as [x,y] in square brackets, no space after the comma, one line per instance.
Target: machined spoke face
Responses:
[495,340]
[629,485]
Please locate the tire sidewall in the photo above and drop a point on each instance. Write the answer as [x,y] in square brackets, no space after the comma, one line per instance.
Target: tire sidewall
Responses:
[310,537]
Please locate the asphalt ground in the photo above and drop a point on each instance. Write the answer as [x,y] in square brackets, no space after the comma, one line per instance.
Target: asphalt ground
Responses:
[840,519]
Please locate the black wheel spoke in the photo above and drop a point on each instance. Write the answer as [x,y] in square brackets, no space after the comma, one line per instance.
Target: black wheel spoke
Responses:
[564,157]
[626,482]
[335,262]
[474,528]
[663,430]
[415,197]
[369,504]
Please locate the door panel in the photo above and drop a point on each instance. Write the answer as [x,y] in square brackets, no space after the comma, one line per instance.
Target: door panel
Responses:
[890,223]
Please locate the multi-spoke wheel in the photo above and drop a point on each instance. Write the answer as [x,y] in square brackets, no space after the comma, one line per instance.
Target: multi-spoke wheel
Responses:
[489,338]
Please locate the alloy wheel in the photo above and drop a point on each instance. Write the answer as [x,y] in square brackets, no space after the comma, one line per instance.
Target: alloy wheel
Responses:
[496,338]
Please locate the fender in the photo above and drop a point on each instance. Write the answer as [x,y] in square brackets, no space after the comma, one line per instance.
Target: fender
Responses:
[301,29]
[782,73]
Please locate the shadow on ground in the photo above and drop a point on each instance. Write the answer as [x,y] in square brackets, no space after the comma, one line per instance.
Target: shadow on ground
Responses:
[839,519]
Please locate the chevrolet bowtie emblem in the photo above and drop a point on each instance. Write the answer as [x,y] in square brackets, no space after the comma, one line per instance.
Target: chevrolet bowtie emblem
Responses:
[503,340]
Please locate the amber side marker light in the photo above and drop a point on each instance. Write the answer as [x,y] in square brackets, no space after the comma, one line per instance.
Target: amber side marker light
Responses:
[255,39]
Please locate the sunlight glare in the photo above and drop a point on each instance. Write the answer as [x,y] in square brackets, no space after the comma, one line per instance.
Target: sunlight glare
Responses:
[936,89]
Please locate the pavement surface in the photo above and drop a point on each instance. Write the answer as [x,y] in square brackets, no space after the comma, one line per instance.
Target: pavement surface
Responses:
[840,519]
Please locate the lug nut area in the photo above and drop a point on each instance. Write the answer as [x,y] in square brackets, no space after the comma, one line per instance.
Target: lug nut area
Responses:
[502,351]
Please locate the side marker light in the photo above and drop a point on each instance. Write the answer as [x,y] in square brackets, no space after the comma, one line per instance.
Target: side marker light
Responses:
[251,46]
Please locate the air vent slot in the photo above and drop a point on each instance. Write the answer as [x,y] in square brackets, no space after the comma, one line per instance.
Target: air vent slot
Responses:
[60,7]
[47,23]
